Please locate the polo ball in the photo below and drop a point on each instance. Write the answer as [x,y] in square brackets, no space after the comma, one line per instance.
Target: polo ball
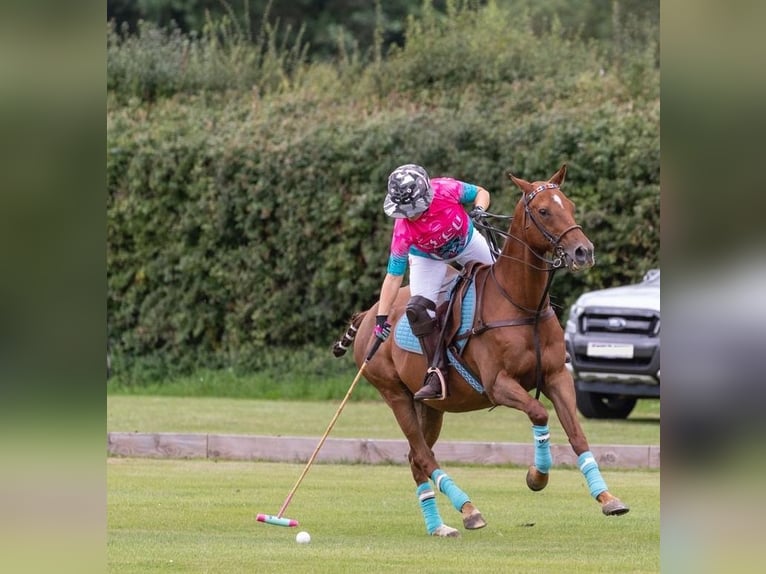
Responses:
[303,538]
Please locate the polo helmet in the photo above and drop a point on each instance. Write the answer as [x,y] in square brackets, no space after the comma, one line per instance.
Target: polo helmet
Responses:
[409,192]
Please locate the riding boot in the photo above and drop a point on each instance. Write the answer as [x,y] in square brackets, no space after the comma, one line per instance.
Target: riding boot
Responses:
[435,383]
[425,327]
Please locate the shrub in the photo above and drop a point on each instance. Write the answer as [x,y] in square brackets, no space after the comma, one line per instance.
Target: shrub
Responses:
[242,221]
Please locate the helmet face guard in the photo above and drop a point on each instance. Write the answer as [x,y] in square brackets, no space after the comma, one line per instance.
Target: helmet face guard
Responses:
[409,192]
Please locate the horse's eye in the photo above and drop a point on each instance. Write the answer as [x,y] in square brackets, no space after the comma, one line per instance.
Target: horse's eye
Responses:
[542,211]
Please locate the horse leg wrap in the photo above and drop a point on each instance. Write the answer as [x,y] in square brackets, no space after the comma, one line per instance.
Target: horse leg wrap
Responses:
[589,468]
[543,458]
[445,484]
[427,500]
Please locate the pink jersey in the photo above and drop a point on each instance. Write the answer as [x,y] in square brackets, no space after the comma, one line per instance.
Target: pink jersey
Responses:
[441,232]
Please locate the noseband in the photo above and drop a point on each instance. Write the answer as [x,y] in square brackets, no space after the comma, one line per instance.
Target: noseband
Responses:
[552,239]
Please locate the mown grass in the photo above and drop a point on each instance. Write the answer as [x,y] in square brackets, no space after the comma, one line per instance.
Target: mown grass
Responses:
[199,516]
[359,419]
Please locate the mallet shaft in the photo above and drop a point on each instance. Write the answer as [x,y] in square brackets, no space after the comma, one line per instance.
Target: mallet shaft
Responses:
[278,519]
[321,442]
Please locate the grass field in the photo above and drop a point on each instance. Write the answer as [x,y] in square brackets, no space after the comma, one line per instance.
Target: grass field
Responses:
[359,419]
[199,516]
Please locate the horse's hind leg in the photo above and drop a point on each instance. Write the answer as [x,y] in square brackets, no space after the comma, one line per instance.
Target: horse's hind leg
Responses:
[422,461]
[427,498]
[561,394]
[431,424]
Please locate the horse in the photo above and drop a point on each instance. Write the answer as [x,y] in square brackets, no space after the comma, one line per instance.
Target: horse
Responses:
[515,345]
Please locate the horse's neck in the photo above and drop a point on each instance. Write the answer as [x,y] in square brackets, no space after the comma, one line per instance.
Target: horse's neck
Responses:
[519,271]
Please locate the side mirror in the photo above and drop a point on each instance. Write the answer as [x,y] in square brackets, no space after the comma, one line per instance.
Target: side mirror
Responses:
[651,275]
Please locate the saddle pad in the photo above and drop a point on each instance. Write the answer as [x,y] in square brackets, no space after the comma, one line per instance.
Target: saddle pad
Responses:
[406,340]
[409,342]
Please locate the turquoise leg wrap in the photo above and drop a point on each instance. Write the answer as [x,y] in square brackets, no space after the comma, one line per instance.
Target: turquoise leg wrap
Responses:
[543,458]
[589,468]
[427,500]
[444,483]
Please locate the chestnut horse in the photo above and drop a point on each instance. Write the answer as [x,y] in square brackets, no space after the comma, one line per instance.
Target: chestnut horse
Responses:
[516,345]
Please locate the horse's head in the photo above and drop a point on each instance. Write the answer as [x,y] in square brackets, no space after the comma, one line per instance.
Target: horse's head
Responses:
[549,223]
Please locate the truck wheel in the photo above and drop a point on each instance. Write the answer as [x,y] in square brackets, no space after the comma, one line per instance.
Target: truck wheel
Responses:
[601,406]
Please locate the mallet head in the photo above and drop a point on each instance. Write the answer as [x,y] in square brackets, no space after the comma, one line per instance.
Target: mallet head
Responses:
[276,520]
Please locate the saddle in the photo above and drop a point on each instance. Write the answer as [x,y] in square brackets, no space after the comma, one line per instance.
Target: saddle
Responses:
[456,315]
[450,312]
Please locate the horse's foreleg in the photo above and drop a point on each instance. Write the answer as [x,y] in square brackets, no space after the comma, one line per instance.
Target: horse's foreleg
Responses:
[537,474]
[561,393]
[508,392]
[610,504]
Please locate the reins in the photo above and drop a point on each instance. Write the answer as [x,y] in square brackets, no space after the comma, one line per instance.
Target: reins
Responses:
[491,233]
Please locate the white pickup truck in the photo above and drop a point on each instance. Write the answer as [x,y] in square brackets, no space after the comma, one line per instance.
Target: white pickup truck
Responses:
[613,339]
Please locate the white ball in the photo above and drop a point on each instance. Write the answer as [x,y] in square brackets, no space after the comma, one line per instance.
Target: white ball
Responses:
[303,538]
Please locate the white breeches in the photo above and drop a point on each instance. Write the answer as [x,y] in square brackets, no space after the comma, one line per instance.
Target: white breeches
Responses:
[433,278]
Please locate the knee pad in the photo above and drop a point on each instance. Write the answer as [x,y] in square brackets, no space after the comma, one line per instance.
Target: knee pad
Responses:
[417,313]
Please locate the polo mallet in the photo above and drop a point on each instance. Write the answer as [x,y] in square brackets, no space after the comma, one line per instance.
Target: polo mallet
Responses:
[278,519]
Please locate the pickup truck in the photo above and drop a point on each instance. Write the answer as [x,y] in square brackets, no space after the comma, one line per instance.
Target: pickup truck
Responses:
[613,340]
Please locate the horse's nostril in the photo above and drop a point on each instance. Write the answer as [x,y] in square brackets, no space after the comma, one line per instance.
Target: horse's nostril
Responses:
[583,255]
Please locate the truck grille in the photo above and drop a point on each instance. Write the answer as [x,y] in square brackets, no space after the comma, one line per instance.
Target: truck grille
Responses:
[633,322]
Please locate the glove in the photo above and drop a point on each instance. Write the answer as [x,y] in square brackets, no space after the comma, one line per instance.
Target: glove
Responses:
[477,213]
[382,327]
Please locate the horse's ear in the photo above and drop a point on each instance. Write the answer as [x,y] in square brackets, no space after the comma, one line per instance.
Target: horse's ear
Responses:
[522,184]
[558,177]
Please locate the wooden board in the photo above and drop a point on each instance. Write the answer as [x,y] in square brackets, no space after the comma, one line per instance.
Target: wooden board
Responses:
[368,451]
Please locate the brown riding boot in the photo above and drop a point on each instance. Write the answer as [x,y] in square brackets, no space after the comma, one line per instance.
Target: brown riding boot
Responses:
[435,383]
[426,329]
[434,387]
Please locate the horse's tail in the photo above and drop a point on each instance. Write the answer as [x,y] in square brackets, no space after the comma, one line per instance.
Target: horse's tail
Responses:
[340,347]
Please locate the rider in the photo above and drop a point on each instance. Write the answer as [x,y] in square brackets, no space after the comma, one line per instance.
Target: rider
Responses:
[431,230]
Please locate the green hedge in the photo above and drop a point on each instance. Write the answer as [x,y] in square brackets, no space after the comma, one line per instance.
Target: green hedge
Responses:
[243,221]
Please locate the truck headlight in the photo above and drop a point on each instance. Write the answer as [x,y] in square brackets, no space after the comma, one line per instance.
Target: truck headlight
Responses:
[574,314]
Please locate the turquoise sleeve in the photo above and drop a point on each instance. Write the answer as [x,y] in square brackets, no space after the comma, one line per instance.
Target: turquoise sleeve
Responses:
[468,193]
[397,264]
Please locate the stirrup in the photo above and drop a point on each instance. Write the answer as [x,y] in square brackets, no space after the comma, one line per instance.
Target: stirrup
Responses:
[435,387]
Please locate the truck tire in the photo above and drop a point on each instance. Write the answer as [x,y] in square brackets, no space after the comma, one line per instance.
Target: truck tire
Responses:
[602,406]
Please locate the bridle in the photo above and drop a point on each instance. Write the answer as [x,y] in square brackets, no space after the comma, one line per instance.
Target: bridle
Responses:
[492,232]
[555,264]
[554,240]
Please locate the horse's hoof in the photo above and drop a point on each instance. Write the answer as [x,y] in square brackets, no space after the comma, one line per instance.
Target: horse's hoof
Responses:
[445,531]
[536,480]
[614,507]
[474,521]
